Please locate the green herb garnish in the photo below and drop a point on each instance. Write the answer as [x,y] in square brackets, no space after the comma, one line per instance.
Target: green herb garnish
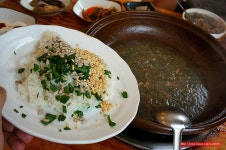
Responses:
[98,106]
[15,110]
[53,87]
[78,113]
[108,73]
[98,97]
[61,118]
[63,98]
[43,58]
[44,84]
[21,70]
[67,128]
[88,95]
[36,67]
[124,94]
[69,89]
[23,115]
[64,108]
[111,123]
[78,92]
[48,119]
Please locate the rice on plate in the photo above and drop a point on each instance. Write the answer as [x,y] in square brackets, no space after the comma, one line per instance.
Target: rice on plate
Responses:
[65,83]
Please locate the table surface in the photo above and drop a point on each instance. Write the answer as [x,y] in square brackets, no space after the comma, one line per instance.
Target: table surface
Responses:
[70,20]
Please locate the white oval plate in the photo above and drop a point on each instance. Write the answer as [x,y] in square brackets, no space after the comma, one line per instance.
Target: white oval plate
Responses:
[85,4]
[22,41]
[15,18]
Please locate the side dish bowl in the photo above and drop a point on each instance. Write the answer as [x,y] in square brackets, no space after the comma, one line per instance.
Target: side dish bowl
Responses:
[45,8]
[207,20]
[94,10]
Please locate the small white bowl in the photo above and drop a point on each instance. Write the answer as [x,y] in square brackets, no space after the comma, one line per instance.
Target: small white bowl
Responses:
[216,22]
[85,4]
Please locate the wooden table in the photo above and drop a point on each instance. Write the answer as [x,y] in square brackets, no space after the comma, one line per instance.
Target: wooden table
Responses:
[70,20]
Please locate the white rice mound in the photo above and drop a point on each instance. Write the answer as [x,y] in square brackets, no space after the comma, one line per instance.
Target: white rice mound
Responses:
[31,89]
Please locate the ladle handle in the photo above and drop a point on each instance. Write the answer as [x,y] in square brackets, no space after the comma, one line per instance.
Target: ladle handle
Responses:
[177,129]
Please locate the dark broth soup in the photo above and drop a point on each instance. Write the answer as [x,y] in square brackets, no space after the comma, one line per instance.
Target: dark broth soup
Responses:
[165,77]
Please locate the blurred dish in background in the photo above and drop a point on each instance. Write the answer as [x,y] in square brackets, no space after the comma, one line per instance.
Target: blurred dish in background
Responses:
[46,7]
[94,10]
[95,13]
[217,7]
[207,20]
[139,6]
[10,19]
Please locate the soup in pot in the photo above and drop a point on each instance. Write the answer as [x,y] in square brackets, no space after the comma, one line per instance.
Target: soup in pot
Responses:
[165,77]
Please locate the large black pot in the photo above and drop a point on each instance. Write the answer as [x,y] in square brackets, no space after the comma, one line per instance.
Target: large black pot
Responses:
[190,41]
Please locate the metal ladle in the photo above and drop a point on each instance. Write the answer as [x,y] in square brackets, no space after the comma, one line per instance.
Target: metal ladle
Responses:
[175,119]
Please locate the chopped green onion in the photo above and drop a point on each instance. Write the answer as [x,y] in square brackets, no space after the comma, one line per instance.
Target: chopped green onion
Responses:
[15,110]
[88,95]
[108,73]
[78,113]
[23,115]
[124,94]
[69,89]
[48,76]
[67,128]
[44,84]
[48,119]
[53,87]
[64,109]
[78,92]
[43,58]
[98,106]
[98,97]
[72,56]
[111,123]
[61,118]
[21,70]
[42,71]
[63,99]
[36,67]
